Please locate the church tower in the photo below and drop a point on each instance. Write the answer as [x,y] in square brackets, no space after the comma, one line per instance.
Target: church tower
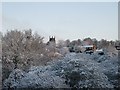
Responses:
[51,44]
[52,41]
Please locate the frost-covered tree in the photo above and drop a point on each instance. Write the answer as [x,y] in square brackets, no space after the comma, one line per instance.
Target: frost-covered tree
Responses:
[87,41]
[67,42]
[61,43]
[103,43]
[21,49]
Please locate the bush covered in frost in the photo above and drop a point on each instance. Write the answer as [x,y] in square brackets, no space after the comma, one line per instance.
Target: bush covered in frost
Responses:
[69,72]
[38,78]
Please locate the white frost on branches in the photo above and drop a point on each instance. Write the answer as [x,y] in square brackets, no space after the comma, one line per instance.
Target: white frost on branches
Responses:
[74,70]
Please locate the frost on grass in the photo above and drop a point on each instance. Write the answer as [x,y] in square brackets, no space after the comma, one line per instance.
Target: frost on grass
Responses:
[72,71]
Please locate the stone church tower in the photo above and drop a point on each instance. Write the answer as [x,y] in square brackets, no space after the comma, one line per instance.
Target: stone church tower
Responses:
[52,41]
[51,44]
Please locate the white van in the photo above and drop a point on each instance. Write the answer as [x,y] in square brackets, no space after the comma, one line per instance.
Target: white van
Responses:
[88,49]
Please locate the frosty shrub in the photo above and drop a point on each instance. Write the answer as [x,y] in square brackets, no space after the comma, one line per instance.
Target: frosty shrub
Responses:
[63,73]
[81,73]
[35,78]
[68,72]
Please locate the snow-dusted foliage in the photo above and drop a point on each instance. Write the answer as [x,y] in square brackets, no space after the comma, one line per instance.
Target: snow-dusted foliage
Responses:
[72,71]
[35,79]
[63,51]
[24,53]
[21,49]
[84,71]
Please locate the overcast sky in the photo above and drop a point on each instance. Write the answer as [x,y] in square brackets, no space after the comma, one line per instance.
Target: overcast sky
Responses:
[65,20]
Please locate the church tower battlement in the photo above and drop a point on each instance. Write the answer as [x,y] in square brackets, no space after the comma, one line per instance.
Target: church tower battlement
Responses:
[52,41]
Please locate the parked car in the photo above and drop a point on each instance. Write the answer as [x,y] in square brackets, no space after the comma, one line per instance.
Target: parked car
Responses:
[88,49]
[100,51]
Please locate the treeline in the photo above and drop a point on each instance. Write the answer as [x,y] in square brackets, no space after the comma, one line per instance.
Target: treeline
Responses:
[100,44]
[23,49]
[88,41]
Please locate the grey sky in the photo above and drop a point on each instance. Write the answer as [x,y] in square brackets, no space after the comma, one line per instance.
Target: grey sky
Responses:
[70,20]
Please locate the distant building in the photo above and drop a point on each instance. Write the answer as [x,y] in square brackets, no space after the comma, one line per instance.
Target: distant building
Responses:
[51,44]
[52,41]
